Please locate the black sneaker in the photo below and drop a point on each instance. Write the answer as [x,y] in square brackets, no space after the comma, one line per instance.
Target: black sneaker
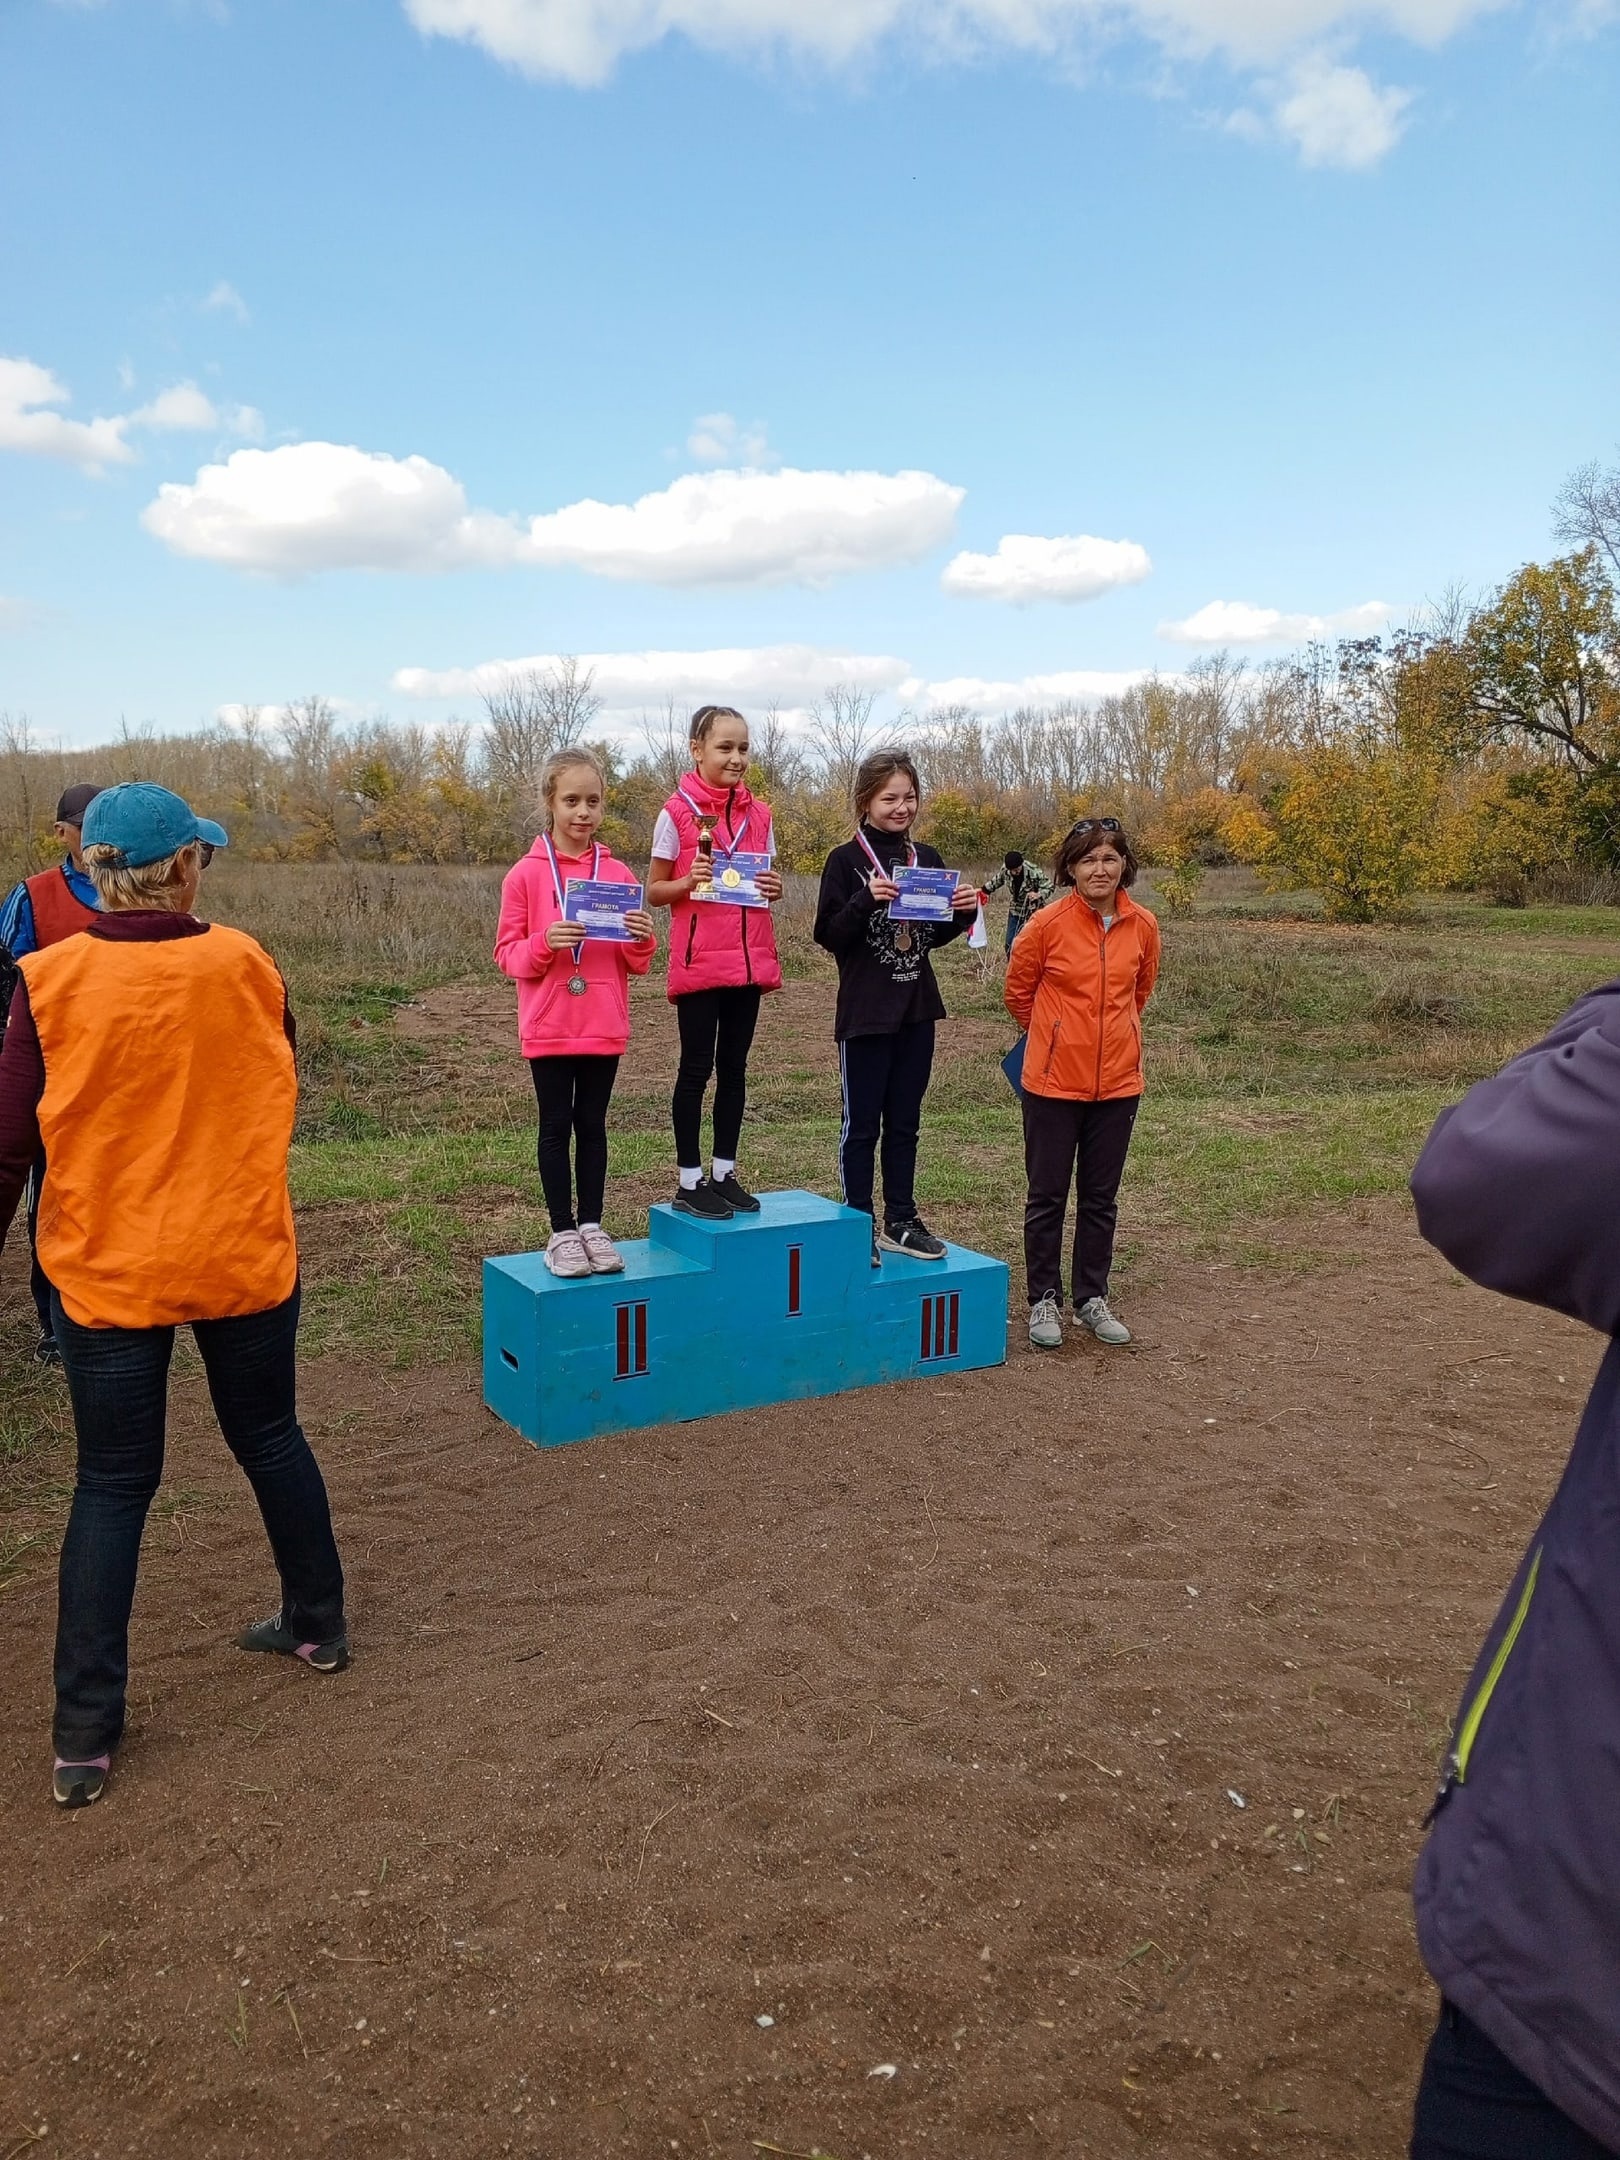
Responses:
[274,1634]
[912,1237]
[48,1351]
[705,1200]
[79,1784]
[739,1202]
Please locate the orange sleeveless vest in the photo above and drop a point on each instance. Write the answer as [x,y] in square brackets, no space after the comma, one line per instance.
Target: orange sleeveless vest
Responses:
[167,1114]
[58,911]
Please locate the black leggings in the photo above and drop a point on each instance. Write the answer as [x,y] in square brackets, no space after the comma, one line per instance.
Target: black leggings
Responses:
[717,1030]
[573,1094]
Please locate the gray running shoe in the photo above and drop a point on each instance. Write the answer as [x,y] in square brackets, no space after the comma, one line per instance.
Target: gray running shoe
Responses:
[1046,1325]
[1094,1314]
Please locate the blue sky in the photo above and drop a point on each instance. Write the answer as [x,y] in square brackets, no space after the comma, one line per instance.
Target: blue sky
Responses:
[963,348]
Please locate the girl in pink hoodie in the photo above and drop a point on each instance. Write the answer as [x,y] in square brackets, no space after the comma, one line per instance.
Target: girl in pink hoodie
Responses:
[573,1005]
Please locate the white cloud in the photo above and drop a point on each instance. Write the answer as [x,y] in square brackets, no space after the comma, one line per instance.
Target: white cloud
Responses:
[183,409]
[1240,622]
[226,300]
[633,683]
[1024,569]
[321,506]
[1077,686]
[326,506]
[752,528]
[1336,115]
[718,439]
[581,41]
[29,422]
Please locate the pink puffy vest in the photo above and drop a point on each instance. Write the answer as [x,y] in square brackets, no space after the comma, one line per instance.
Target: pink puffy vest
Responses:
[712,945]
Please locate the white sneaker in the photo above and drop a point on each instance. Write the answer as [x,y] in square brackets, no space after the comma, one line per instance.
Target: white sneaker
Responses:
[600,1250]
[1046,1325]
[1094,1314]
[566,1254]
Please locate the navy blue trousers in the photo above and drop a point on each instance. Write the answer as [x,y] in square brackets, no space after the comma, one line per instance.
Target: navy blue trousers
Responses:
[1473,2105]
[118,1379]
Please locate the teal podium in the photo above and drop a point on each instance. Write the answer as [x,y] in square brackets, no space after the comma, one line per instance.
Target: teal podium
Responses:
[709,1317]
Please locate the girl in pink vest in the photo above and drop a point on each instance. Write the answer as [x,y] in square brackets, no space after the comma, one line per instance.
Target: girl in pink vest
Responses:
[573,1006]
[722,957]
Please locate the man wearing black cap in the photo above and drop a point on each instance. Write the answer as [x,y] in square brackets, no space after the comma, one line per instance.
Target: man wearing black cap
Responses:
[45,908]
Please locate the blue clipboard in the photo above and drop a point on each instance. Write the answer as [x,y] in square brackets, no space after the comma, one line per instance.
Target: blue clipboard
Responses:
[1013,1066]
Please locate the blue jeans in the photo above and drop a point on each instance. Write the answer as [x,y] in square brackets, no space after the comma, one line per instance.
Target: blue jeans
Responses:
[118,1379]
[1472,2104]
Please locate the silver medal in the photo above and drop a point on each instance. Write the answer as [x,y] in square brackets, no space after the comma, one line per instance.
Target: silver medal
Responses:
[576,986]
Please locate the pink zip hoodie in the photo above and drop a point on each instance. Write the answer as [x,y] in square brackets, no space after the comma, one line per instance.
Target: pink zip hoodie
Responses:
[552,1022]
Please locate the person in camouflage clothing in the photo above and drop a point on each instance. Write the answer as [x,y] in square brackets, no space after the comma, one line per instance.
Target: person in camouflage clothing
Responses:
[1027,890]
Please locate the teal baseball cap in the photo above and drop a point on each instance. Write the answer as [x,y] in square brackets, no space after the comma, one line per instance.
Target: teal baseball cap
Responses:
[145,823]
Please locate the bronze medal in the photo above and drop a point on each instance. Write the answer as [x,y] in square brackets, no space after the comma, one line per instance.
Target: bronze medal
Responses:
[902,937]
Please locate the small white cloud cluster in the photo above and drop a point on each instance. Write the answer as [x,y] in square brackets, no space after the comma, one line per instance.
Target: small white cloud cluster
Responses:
[32,422]
[629,684]
[981,694]
[1333,113]
[718,438]
[1026,568]
[1240,622]
[325,506]
[790,678]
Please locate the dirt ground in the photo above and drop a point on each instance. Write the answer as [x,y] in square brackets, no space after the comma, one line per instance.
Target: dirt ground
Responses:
[1024,1765]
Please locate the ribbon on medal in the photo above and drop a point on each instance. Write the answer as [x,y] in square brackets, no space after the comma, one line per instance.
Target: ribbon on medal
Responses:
[576,981]
[903,938]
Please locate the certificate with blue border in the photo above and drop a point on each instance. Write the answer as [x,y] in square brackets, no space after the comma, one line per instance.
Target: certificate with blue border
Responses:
[925,894]
[599,906]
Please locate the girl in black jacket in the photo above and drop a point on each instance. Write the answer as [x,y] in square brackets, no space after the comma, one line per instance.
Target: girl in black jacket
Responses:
[888,999]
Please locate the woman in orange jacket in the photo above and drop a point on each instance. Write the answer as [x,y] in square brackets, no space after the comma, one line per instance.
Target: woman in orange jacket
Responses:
[1077,979]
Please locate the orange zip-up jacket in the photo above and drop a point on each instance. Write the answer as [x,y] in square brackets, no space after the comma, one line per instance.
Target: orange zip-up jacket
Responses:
[1079,991]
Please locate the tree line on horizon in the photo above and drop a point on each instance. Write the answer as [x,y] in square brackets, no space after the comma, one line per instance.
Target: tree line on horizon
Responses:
[1475,749]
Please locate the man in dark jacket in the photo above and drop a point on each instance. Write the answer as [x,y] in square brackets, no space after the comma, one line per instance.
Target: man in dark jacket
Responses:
[1518,1886]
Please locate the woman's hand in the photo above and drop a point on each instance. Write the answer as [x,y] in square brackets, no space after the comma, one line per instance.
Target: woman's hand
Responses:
[561,935]
[965,900]
[882,888]
[770,884]
[639,922]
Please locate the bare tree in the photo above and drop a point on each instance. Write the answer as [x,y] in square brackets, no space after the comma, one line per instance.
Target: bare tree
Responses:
[666,740]
[1587,511]
[777,755]
[530,716]
[842,720]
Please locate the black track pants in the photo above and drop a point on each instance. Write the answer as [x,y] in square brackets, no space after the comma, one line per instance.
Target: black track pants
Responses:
[885,1078]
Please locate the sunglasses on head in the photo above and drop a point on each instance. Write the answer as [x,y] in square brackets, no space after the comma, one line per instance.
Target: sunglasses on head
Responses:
[1096,824]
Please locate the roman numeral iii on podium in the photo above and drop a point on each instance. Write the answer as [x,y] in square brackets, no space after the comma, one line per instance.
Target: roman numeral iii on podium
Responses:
[792,1288]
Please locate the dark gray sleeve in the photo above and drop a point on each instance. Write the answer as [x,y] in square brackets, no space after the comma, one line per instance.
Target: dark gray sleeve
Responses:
[1519,1183]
